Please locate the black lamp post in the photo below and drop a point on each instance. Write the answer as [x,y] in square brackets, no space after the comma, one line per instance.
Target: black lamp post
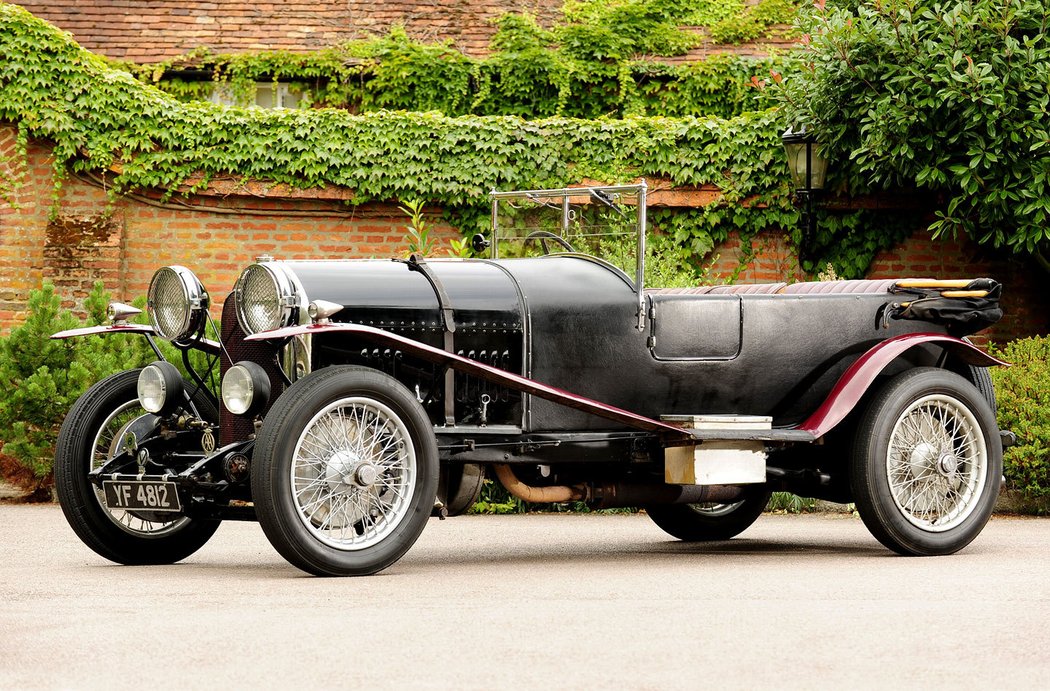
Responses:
[808,169]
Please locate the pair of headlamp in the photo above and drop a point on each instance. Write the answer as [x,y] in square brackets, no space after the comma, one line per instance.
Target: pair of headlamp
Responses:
[245,388]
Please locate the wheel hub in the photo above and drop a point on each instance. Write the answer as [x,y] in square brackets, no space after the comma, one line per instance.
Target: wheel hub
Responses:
[923,458]
[948,465]
[365,475]
[345,469]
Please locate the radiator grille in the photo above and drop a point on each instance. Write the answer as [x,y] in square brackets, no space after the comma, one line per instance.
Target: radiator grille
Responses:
[237,427]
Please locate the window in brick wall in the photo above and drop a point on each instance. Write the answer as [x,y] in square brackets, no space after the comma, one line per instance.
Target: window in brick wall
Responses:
[267,95]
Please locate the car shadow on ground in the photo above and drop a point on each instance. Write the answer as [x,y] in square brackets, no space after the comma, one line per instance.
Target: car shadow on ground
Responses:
[422,562]
[643,553]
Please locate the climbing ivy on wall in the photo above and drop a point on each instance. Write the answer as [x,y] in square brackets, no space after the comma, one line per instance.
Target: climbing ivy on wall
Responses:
[588,66]
[102,120]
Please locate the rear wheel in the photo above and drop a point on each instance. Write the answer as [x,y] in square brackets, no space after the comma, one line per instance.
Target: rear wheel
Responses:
[91,434]
[345,472]
[926,463]
[709,522]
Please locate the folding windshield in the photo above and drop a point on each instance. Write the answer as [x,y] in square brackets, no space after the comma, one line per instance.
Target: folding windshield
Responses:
[606,223]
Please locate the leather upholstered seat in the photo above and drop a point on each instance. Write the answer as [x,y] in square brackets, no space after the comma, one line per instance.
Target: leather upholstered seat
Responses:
[741,289]
[851,287]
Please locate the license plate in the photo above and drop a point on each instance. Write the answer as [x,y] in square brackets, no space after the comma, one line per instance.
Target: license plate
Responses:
[141,495]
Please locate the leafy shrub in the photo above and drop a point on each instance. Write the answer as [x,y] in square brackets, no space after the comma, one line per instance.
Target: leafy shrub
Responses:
[752,21]
[40,378]
[434,76]
[786,502]
[1023,394]
[495,499]
[618,29]
[587,65]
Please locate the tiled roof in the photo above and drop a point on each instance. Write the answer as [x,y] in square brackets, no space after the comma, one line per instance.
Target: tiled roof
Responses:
[155,30]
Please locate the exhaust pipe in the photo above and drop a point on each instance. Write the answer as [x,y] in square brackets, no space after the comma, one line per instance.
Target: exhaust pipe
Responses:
[614,495]
[617,494]
[537,495]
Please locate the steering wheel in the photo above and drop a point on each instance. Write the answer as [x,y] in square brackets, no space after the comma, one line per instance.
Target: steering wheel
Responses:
[544,235]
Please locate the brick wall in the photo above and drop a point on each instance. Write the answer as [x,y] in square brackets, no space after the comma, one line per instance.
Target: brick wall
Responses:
[23,220]
[215,236]
[218,235]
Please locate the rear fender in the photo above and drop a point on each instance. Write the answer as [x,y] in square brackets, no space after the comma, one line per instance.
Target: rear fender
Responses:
[858,378]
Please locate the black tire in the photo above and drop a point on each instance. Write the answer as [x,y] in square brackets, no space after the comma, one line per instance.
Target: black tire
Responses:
[711,522]
[982,379]
[321,523]
[99,412]
[946,467]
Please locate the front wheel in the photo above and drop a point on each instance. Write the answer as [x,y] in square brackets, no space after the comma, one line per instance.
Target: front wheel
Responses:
[926,463]
[345,472]
[709,522]
[91,434]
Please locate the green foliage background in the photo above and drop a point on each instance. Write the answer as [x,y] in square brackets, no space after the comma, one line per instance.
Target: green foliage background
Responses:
[948,97]
[40,378]
[601,60]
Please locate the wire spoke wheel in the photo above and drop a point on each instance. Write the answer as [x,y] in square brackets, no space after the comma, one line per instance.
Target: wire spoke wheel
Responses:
[93,433]
[710,521]
[715,510]
[936,463]
[926,463]
[345,471]
[352,473]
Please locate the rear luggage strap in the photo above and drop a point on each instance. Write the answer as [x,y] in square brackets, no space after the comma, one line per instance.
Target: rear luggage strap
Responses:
[418,263]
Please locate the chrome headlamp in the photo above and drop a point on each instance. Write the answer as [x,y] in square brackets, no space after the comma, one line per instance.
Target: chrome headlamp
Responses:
[160,387]
[267,298]
[245,388]
[177,303]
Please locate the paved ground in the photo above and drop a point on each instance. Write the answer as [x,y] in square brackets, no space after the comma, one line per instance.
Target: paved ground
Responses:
[533,602]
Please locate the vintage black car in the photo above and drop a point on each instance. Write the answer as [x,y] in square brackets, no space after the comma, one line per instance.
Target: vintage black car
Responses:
[361,397]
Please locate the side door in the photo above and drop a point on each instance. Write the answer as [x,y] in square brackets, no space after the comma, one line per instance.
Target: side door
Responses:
[695,327]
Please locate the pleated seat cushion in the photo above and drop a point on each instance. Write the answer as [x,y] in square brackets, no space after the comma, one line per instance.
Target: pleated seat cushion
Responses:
[853,287]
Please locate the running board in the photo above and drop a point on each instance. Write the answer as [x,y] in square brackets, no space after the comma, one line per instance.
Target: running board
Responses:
[793,436]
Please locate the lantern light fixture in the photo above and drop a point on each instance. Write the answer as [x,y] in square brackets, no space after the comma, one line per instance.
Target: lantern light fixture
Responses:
[808,170]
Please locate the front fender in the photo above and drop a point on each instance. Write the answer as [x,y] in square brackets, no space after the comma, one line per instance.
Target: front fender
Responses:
[857,379]
[104,330]
[208,346]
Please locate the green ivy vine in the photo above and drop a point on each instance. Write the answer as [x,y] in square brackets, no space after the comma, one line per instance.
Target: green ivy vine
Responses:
[589,66]
[102,120]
